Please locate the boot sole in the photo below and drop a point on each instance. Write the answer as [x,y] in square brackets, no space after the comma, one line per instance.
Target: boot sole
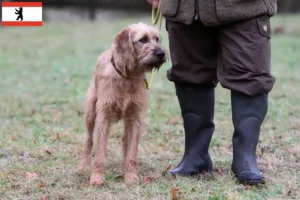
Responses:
[190,174]
[252,182]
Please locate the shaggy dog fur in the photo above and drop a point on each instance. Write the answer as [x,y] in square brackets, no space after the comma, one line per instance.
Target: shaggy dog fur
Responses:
[117,91]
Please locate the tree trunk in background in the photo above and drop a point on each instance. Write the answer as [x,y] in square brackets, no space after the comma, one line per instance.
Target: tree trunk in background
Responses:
[296,7]
[92,9]
[288,6]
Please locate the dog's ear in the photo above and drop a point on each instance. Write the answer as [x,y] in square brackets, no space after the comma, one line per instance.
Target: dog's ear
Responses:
[124,53]
[123,42]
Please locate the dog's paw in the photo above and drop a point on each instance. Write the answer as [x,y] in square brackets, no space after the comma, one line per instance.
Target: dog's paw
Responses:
[131,178]
[83,166]
[97,179]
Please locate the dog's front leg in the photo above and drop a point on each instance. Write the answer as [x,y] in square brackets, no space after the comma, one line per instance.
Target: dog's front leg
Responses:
[102,131]
[133,128]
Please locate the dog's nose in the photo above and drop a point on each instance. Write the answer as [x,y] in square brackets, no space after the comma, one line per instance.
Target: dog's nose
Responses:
[160,53]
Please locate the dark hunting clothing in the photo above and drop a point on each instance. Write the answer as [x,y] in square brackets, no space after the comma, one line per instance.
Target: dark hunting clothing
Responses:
[226,41]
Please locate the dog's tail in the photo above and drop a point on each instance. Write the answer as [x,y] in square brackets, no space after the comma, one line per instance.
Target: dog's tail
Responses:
[90,111]
[90,116]
[89,119]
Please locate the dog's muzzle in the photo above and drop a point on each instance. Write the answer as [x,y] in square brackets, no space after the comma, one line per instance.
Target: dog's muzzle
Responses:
[160,53]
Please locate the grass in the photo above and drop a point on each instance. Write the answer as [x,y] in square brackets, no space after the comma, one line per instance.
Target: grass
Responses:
[45,72]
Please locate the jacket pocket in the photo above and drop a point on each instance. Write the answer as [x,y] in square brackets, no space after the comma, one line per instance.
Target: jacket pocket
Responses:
[263,46]
[169,8]
[264,27]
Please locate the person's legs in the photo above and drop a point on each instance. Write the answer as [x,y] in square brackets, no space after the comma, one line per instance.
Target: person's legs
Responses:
[193,52]
[244,68]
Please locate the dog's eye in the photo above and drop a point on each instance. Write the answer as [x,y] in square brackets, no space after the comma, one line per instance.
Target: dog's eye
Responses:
[144,39]
[157,39]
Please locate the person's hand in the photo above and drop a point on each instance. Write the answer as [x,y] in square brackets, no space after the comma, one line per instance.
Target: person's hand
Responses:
[154,3]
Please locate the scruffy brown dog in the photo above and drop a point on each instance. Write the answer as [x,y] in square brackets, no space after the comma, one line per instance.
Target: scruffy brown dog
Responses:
[117,91]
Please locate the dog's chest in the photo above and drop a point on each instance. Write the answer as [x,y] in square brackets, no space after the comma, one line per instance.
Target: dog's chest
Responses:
[123,100]
[131,100]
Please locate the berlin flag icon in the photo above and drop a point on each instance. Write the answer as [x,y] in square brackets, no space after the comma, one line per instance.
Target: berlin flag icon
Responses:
[22,14]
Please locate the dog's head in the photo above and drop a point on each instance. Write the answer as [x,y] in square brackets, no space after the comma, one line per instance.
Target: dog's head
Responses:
[138,47]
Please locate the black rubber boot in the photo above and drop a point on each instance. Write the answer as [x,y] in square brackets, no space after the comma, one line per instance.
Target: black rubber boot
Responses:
[248,113]
[197,109]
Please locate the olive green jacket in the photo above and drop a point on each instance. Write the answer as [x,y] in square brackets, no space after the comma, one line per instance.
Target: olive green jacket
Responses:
[216,12]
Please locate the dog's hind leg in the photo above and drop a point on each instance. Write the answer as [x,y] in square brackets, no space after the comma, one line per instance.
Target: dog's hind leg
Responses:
[89,118]
[102,130]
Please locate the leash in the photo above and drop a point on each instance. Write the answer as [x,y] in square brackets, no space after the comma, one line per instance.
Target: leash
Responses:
[156,17]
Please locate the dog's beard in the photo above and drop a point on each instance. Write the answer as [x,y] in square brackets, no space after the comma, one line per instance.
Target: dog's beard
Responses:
[148,60]
[150,63]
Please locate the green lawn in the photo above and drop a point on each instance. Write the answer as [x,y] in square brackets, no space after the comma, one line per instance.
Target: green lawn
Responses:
[45,72]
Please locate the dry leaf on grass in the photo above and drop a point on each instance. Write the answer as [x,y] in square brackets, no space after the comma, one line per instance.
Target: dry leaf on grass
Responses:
[165,172]
[173,192]
[48,152]
[219,170]
[169,167]
[158,107]
[41,185]
[32,112]
[174,177]
[34,141]
[148,180]
[57,137]
[120,176]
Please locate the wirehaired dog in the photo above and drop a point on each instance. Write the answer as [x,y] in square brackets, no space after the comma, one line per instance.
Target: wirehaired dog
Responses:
[117,91]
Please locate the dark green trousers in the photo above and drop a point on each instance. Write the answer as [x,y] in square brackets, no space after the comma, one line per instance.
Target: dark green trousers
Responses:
[236,55]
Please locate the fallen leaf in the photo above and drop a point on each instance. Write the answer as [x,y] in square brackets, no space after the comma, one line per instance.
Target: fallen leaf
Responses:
[148,180]
[220,171]
[121,176]
[165,172]
[17,186]
[41,185]
[162,145]
[34,141]
[33,112]
[168,168]
[57,137]
[173,192]
[158,107]
[31,176]
[174,177]
[48,152]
